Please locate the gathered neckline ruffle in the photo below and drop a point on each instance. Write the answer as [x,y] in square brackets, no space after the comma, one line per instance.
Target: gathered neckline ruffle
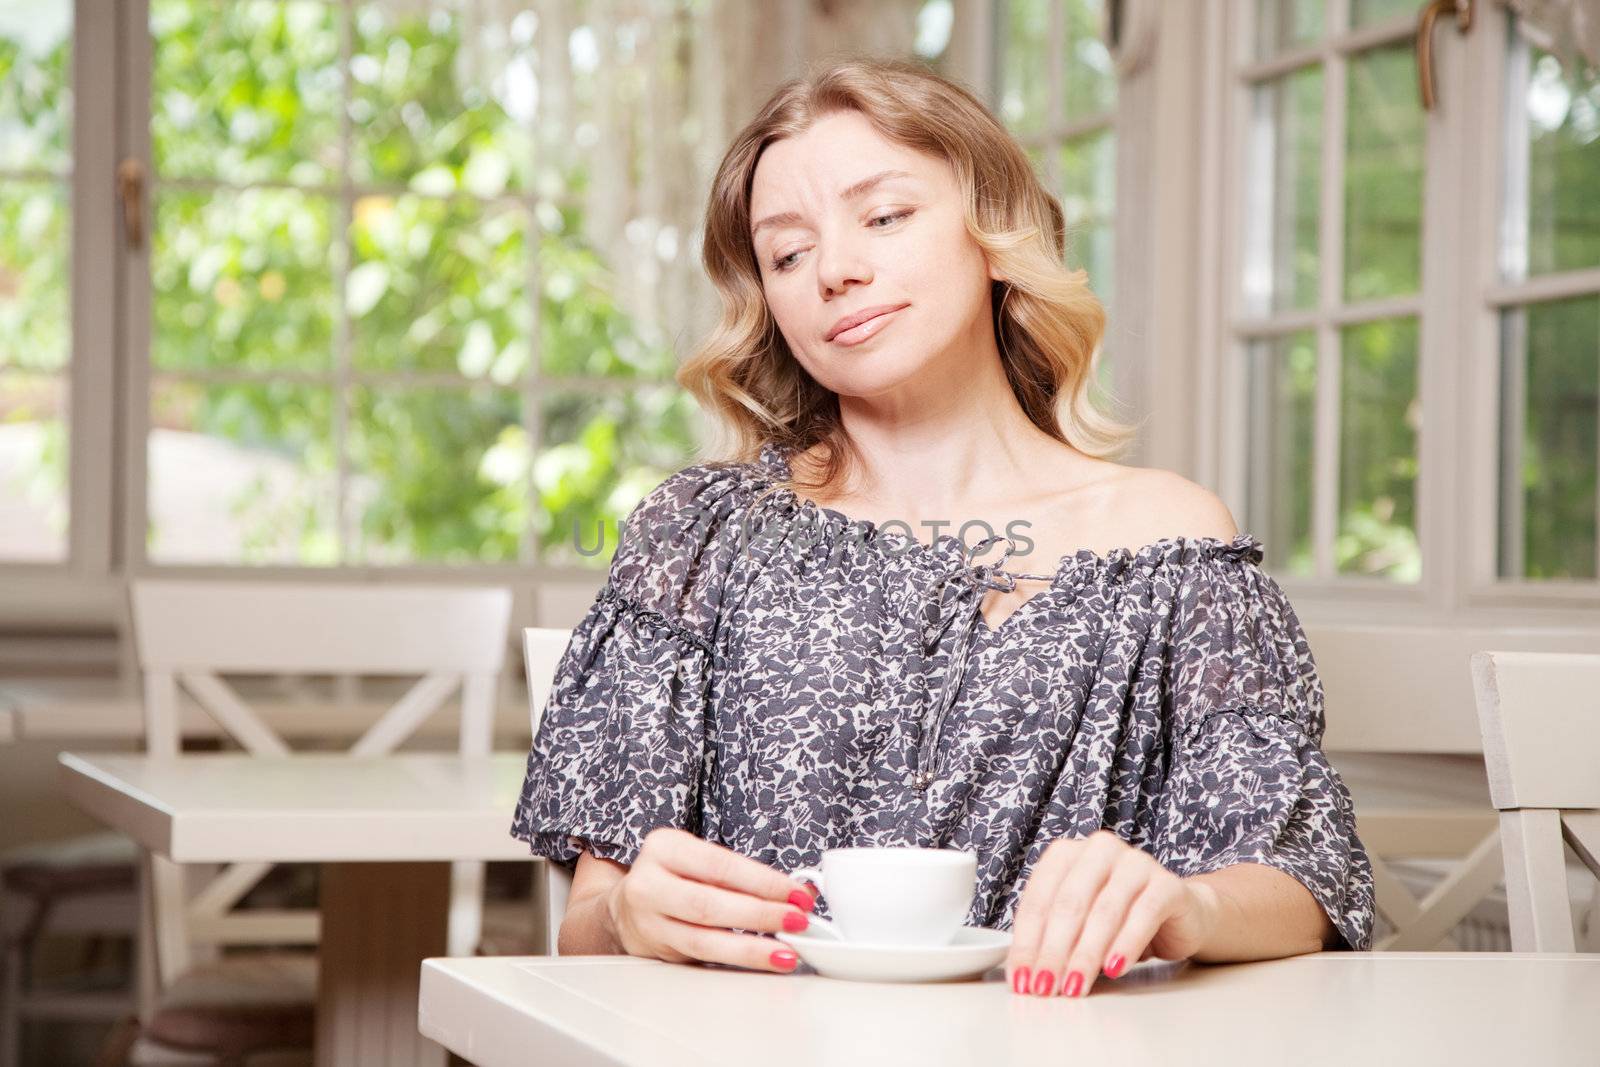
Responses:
[772,465]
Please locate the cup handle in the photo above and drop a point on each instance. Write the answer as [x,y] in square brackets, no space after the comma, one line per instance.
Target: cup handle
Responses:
[809,874]
[814,875]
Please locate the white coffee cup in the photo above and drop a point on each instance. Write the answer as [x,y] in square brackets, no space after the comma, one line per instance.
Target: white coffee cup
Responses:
[895,895]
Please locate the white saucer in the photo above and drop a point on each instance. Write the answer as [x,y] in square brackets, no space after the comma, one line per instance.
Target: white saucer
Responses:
[974,950]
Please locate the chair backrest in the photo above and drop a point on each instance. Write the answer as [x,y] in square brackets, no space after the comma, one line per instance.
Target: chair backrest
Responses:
[191,632]
[1394,693]
[542,649]
[1408,689]
[1540,717]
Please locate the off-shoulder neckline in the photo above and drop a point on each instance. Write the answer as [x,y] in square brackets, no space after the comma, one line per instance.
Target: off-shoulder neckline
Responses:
[772,465]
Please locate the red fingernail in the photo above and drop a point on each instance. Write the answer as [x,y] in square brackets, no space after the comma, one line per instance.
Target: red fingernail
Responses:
[1114,965]
[784,958]
[1074,983]
[802,900]
[1043,982]
[1019,980]
[795,921]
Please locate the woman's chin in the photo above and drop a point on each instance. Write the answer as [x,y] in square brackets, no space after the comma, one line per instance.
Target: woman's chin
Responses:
[868,370]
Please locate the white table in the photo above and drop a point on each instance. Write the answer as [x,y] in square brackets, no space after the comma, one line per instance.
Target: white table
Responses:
[1327,1008]
[383,827]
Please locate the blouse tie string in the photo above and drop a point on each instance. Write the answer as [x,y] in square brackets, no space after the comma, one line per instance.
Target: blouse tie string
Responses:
[970,580]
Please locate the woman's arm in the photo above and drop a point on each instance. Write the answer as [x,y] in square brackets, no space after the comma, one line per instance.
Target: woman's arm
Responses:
[586,926]
[1258,912]
[1096,904]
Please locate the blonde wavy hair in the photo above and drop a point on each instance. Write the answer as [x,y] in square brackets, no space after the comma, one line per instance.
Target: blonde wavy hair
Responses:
[1047,322]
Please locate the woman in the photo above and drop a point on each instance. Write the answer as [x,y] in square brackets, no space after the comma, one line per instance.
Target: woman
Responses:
[1126,734]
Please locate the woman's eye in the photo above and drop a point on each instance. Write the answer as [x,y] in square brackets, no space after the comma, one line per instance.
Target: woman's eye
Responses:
[782,265]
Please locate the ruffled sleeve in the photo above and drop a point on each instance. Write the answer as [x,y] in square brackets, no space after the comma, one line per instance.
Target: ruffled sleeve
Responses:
[1247,781]
[620,745]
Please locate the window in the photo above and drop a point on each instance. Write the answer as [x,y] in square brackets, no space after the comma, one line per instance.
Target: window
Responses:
[412,281]
[361,210]
[1331,287]
[1057,93]
[36,108]
[1548,299]
[1414,351]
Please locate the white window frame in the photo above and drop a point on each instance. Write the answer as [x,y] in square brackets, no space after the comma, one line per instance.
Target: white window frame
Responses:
[136,304]
[109,372]
[109,375]
[85,587]
[1484,588]
[109,425]
[1458,353]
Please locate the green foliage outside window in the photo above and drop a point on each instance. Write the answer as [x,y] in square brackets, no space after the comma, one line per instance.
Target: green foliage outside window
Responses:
[436,284]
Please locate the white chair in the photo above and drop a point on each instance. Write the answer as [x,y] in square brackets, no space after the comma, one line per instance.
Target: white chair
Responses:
[542,649]
[1400,731]
[189,633]
[1540,717]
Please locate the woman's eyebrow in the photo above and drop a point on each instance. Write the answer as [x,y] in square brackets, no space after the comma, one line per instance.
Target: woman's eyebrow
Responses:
[860,188]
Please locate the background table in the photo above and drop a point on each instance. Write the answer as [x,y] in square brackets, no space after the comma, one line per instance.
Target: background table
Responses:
[385,829]
[1327,1008]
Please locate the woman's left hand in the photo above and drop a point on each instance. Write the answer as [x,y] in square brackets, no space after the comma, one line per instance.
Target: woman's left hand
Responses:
[1096,903]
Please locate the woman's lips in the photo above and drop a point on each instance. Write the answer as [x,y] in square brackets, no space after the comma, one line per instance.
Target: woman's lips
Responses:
[862,331]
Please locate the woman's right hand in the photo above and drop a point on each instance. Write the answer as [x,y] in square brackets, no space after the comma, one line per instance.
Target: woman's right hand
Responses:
[683,896]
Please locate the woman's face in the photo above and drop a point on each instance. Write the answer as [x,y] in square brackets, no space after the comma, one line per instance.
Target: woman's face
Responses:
[900,243]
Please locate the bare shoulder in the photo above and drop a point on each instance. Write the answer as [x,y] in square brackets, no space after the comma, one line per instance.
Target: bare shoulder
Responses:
[1157,504]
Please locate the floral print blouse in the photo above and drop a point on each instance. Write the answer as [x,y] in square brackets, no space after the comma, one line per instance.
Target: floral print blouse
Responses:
[774,677]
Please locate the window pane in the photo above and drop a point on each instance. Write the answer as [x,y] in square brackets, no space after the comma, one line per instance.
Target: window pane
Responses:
[1283,394]
[1091,82]
[1285,182]
[35,258]
[245,90]
[599,455]
[241,474]
[444,99]
[1366,12]
[33,467]
[1555,225]
[242,280]
[437,475]
[1283,24]
[439,285]
[583,328]
[1025,74]
[1379,416]
[35,330]
[1383,176]
[1549,439]
[1088,199]
[36,85]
